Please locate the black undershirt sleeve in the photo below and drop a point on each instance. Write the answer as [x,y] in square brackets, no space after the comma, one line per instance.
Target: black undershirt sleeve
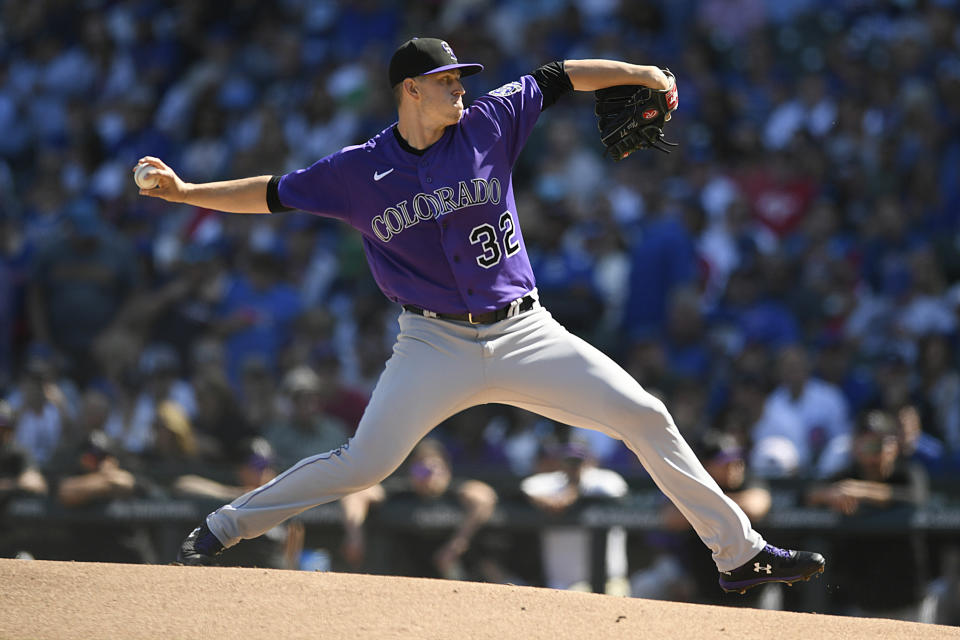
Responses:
[553,82]
[273,196]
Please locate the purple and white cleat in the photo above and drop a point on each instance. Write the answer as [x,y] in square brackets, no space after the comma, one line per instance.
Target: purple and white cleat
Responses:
[773,565]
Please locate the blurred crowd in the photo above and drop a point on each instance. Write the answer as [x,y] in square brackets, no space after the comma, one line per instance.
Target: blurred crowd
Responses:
[787,280]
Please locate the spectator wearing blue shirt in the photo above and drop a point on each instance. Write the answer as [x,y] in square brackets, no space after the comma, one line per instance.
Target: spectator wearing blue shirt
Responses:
[663,258]
[686,347]
[81,281]
[748,316]
[565,274]
[917,445]
[257,312]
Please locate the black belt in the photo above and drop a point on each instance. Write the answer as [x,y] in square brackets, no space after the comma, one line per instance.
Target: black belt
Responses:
[515,308]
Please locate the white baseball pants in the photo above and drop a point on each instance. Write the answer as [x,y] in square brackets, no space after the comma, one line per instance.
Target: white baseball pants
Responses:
[439,368]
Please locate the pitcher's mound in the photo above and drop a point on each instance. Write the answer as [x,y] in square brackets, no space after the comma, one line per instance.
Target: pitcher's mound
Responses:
[64,600]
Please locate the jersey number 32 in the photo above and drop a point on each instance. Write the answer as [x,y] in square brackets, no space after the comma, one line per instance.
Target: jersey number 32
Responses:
[486,236]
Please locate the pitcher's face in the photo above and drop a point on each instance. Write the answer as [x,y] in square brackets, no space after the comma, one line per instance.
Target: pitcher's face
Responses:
[441,96]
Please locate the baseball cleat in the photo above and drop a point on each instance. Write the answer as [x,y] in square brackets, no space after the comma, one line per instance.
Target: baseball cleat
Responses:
[200,548]
[773,564]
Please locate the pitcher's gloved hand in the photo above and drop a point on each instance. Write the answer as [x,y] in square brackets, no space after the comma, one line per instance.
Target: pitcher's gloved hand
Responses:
[632,117]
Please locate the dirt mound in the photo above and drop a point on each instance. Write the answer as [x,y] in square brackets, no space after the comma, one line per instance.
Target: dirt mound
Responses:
[66,600]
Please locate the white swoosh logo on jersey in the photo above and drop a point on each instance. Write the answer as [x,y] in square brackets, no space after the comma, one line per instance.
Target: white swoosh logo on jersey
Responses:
[377,175]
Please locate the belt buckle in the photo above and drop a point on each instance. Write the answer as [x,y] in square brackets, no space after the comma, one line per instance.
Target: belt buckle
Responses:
[470,318]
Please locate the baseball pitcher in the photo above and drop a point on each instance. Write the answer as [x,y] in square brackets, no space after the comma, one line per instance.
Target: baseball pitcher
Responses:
[432,195]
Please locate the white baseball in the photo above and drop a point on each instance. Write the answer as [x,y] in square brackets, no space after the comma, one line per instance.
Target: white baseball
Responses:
[146,176]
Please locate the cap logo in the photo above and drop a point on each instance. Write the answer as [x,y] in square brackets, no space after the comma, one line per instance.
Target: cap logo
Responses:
[446,47]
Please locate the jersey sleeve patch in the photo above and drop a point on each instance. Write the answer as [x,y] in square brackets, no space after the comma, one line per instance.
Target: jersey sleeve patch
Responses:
[506,90]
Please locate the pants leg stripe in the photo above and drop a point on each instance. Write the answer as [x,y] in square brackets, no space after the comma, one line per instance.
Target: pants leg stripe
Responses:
[257,492]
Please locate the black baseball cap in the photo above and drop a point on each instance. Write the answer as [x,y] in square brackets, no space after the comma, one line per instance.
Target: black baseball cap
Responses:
[420,56]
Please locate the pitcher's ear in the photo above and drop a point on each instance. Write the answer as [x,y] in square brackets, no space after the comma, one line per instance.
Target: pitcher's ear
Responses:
[411,86]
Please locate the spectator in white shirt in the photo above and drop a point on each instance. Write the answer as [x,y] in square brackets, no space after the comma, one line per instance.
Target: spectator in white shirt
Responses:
[565,549]
[815,416]
[43,414]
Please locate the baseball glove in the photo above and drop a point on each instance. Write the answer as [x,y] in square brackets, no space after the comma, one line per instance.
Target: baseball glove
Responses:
[632,117]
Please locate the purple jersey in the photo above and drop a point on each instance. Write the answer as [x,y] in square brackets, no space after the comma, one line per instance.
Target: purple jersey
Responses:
[440,230]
